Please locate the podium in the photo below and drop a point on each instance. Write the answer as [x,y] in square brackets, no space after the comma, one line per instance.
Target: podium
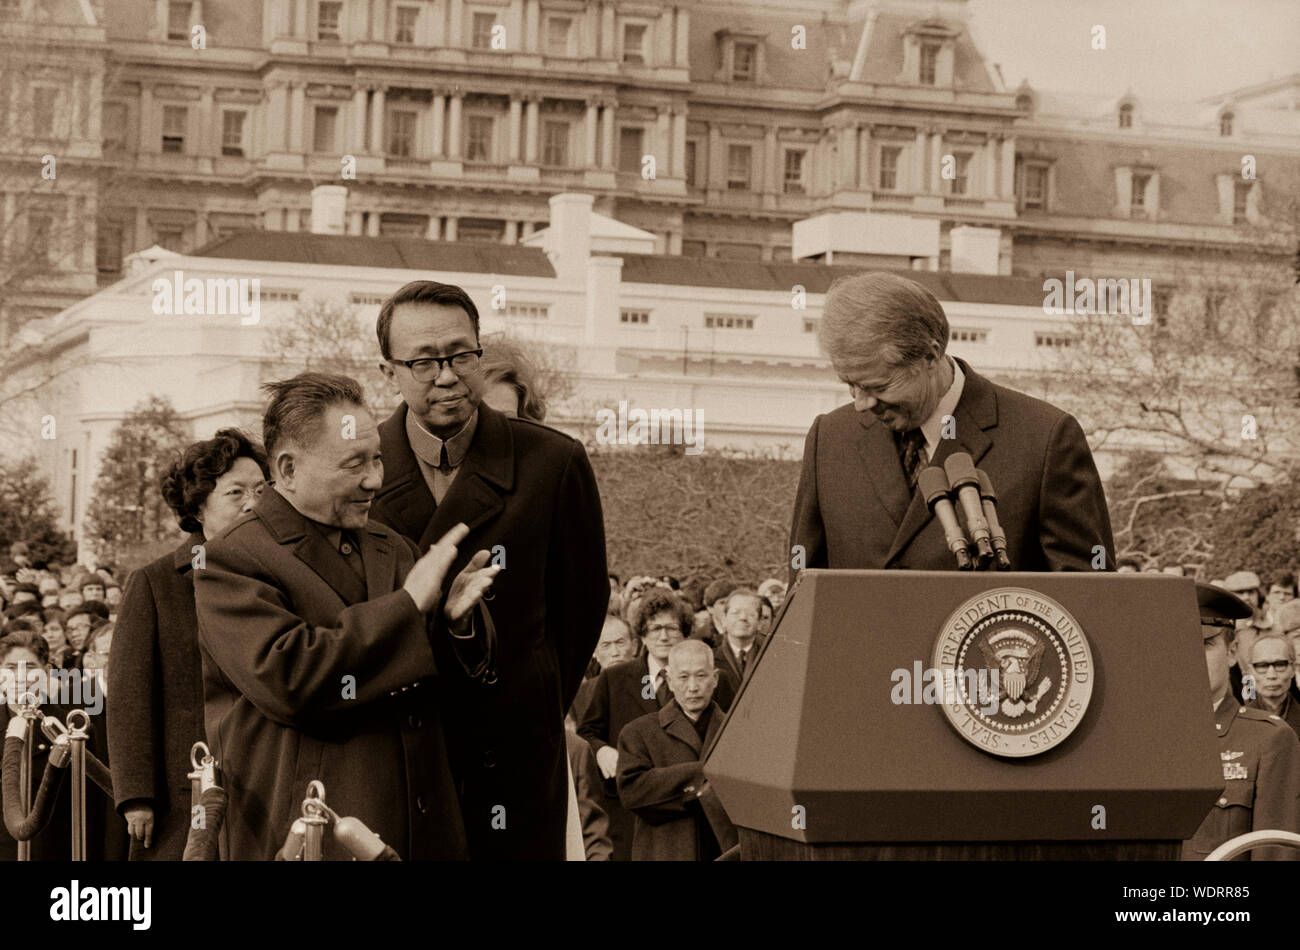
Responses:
[831,752]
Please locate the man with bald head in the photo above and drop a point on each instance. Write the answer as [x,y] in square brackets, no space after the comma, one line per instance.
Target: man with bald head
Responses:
[914,405]
[659,769]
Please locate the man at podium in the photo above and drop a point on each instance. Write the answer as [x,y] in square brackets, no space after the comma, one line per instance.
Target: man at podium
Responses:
[913,405]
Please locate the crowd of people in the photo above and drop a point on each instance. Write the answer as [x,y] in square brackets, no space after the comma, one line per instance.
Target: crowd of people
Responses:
[327,556]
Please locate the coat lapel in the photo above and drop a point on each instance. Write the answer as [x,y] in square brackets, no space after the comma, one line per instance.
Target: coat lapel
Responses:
[486,471]
[287,526]
[676,724]
[405,497]
[976,411]
[880,459]
[380,558]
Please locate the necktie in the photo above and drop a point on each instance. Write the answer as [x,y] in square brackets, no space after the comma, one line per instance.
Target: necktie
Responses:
[444,461]
[661,687]
[744,658]
[910,444]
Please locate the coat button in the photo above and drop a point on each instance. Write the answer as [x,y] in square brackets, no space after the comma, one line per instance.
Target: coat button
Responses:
[1222,801]
[489,760]
[414,721]
[419,804]
[346,548]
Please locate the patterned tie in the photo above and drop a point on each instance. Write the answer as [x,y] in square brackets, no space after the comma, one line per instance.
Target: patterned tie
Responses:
[910,444]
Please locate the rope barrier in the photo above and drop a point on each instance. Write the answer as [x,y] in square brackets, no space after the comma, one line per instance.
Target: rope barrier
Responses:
[306,838]
[24,817]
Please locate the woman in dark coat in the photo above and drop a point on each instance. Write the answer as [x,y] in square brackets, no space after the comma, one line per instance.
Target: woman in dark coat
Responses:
[155,681]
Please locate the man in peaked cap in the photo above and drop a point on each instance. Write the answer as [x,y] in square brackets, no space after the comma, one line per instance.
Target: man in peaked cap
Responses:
[1259,753]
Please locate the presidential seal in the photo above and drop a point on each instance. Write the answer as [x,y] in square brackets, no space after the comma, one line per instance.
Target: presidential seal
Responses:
[1017,671]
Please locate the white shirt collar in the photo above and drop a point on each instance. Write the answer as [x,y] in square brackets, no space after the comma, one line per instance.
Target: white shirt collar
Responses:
[655,667]
[932,428]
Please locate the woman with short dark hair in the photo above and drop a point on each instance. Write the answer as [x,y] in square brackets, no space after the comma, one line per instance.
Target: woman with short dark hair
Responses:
[154,670]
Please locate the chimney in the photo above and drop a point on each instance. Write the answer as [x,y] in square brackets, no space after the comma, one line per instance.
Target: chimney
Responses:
[568,238]
[328,203]
[975,250]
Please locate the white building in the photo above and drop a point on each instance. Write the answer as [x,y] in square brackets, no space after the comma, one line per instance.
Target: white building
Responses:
[734,341]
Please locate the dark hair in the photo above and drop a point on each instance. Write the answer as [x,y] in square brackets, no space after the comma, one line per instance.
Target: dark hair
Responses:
[718,590]
[22,610]
[96,609]
[657,600]
[1284,579]
[27,589]
[21,639]
[297,406]
[30,622]
[505,361]
[421,291]
[189,480]
[52,614]
[91,580]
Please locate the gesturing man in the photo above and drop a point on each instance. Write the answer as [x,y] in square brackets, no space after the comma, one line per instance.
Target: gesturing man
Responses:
[528,495]
[914,405]
[325,642]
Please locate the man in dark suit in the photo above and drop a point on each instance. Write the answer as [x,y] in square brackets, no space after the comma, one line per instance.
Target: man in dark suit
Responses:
[741,639]
[323,639]
[528,494]
[659,777]
[856,506]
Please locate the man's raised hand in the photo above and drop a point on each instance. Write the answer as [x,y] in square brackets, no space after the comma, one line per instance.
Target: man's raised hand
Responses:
[424,582]
[468,589]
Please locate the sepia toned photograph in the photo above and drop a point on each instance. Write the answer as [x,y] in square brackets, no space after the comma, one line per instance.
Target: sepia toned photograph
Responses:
[516,431]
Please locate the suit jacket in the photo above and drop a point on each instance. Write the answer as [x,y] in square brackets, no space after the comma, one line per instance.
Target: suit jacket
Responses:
[529,490]
[659,773]
[310,672]
[155,679]
[725,661]
[853,508]
[1260,756]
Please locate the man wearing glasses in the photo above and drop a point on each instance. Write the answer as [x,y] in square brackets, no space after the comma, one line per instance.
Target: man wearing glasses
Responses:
[1259,755]
[1272,660]
[528,495]
[913,405]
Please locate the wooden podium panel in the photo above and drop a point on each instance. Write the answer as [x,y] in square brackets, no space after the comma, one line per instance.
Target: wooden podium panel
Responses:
[816,752]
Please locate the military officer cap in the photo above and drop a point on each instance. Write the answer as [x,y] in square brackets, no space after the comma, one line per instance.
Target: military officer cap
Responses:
[1219,609]
[1288,616]
[1243,580]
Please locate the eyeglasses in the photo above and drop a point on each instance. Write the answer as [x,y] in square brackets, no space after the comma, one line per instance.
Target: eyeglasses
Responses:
[663,628]
[1279,665]
[428,368]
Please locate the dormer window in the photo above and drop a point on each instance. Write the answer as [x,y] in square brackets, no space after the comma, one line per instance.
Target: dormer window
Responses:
[1225,124]
[929,63]
[1126,116]
[929,47]
[741,57]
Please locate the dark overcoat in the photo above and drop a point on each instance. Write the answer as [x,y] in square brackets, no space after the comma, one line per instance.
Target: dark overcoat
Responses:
[155,681]
[311,673]
[659,770]
[853,508]
[528,494]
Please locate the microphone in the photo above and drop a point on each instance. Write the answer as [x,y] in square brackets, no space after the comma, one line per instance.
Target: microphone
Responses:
[990,501]
[966,485]
[932,483]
